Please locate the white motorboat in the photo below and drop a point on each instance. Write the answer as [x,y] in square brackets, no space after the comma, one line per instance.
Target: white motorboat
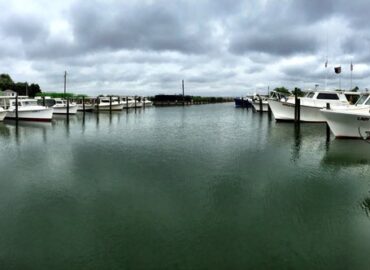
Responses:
[128,102]
[89,107]
[257,105]
[60,106]
[147,103]
[311,104]
[2,114]
[105,104]
[28,109]
[351,121]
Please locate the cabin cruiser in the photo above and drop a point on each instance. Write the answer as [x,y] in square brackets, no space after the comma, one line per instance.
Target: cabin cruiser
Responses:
[128,102]
[311,104]
[259,100]
[28,109]
[60,106]
[2,114]
[106,103]
[147,102]
[352,121]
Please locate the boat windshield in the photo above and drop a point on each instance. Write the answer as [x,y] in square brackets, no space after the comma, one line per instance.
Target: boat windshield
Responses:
[310,94]
[367,102]
[362,99]
[30,103]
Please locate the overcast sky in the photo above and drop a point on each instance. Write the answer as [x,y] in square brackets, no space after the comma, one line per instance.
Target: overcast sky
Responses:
[223,48]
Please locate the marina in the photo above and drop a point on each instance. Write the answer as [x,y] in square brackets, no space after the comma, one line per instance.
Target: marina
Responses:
[198,196]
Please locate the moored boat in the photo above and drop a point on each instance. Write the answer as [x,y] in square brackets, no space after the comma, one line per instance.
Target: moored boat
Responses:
[106,104]
[310,105]
[350,121]
[2,114]
[28,109]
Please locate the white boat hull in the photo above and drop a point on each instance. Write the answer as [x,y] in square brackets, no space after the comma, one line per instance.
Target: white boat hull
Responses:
[88,107]
[348,124]
[106,107]
[2,114]
[284,111]
[63,109]
[45,114]
[265,106]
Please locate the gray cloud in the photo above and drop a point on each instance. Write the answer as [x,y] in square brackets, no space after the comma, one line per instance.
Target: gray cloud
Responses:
[216,46]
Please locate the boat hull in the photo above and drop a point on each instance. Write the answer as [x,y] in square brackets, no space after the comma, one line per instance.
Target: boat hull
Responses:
[106,107]
[265,106]
[284,111]
[2,114]
[348,124]
[63,110]
[242,103]
[88,107]
[41,115]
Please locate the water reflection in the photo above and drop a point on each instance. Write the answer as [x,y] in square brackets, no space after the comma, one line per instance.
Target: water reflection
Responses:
[366,206]
[347,153]
[297,142]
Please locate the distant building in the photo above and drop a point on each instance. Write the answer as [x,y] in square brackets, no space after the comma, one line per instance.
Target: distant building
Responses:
[9,93]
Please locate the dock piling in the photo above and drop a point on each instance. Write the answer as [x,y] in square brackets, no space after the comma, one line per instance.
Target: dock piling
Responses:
[297,108]
[127,102]
[261,107]
[83,104]
[97,104]
[67,109]
[110,104]
[327,126]
[269,112]
[16,108]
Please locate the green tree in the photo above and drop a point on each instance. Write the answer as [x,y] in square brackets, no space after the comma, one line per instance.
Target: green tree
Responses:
[355,89]
[299,92]
[282,90]
[6,82]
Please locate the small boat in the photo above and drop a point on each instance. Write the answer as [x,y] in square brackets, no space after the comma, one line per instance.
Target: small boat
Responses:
[311,104]
[28,109]
[2,114]
[352,121]
[260,102]
[127,102]
[105,104]
[89,107]
[60,106]
[243,102]
[147,102]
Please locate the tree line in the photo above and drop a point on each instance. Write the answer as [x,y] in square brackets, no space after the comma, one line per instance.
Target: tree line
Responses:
[22,88]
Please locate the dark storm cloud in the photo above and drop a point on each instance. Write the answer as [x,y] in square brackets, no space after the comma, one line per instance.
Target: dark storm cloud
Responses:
[28,28]
[283,44]
[161,26]
[219,45]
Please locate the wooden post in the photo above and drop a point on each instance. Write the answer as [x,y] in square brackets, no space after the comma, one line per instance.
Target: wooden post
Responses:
[43,101]
[67,109]
[83,104]
[110,104]
[16,107]
[183,93]
[144,102]
[126,102]
[327,126]
[261,107]
[97,104]
[242,102]
[297,108]
[269,111]
[135,102]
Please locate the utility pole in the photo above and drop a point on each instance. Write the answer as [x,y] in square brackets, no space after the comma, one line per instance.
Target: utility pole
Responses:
[65,83]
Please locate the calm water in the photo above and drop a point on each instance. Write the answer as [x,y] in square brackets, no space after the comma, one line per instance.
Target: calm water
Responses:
[202,187]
